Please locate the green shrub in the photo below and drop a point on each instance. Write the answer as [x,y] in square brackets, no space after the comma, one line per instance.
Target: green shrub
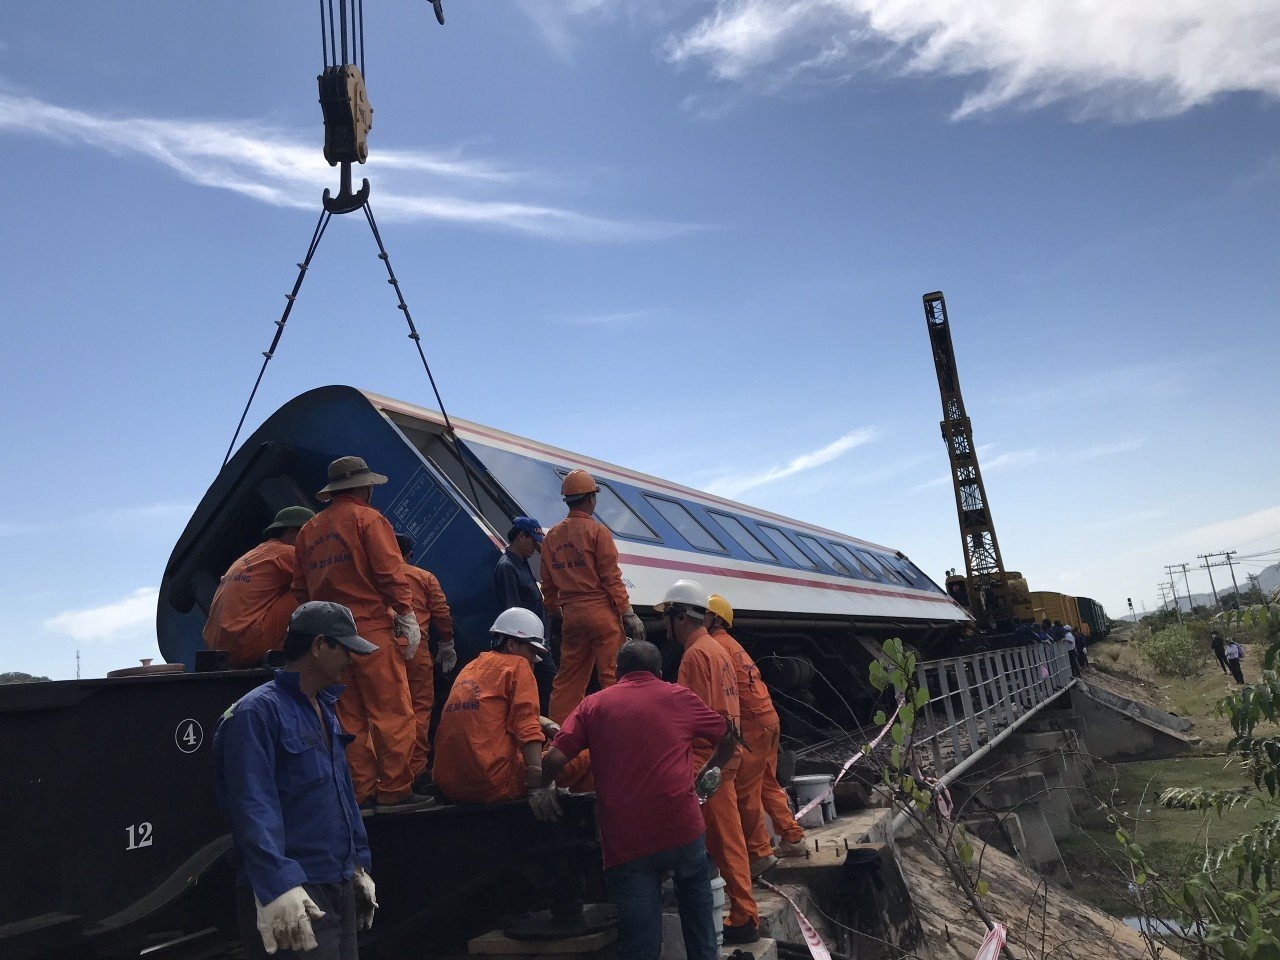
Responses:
[1175,651]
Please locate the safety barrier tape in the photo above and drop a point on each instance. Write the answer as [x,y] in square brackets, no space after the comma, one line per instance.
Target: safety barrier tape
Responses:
[992,943]
[817,949]
[850,762]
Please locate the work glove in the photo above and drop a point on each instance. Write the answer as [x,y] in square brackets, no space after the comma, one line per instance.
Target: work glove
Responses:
[633,626]
[533,778]
[448,658]
[407,627]
[549,727]
[366,901]
[545,804]
[286,921]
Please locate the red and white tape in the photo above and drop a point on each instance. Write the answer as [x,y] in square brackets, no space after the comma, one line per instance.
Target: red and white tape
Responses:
[849,764]
[992,943]
[817,949]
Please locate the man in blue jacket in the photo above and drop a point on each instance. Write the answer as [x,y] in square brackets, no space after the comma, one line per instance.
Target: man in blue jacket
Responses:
[281,776]
[514,585]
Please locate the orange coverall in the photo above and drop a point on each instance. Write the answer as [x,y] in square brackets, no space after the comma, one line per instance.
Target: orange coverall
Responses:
[348,554]
[252,605]
[708,671]
[581,579]
[758,789]
[430,607]
[491,713]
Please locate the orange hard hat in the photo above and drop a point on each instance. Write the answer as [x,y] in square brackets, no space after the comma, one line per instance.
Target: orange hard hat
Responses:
[578,483]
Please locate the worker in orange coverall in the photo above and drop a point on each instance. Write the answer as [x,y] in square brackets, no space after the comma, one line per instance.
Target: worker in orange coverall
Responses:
[707,670]
[254,600]
[348,555]
[758,788]
[489,742]
[584,596]
[432,610]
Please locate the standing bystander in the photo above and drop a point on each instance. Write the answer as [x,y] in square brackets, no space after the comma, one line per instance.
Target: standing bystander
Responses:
[1233,653]
[281,777]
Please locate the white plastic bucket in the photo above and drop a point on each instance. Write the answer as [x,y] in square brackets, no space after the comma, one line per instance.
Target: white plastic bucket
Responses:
[672,938]
[808,788]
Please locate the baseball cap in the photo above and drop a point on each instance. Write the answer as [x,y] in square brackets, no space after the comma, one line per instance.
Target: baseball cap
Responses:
[324,618]
[526,525]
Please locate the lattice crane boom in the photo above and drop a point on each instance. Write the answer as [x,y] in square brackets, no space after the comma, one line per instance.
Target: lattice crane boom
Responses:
[987,593]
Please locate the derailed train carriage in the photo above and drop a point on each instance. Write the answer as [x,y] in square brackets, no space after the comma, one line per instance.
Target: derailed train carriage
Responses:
[108,782]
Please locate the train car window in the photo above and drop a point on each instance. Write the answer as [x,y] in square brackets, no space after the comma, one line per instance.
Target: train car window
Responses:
[891,575]
[858,564]
[909,570]
[786,546]
[747,540]
[532,484]
[679,517]
[825,555]
[617,516]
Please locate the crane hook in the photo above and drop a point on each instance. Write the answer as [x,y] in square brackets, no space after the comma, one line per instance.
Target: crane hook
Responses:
[346,201]
[439,8]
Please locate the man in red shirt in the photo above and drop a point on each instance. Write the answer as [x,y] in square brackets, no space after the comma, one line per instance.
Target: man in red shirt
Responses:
[650,824]
[582,589]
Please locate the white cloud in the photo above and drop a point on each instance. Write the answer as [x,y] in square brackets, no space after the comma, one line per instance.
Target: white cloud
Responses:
[737,485]
[1126,59]
[1228,534]
[118,620]
[1010,459]
[607,319]
[282,171]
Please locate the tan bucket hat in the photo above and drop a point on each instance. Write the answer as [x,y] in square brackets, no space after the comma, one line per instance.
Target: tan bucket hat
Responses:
[349,473]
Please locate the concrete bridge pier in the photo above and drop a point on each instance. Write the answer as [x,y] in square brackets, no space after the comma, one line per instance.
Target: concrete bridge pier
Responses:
[1020,799]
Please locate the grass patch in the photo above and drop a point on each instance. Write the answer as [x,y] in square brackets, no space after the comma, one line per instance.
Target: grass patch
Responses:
[1175,841]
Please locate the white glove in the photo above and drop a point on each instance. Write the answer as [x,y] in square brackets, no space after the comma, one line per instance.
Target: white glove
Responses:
[633,626]
[366,901]
[545,804]
[448,658]
[407,627]
[549,727]
[286,921]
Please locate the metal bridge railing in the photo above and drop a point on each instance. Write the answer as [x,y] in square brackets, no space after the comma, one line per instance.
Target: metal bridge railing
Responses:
[973,699]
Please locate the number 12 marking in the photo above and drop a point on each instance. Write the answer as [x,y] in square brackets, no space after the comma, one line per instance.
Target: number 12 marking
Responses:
[139,836]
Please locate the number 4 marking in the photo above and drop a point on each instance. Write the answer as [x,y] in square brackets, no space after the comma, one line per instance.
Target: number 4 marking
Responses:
[139,836]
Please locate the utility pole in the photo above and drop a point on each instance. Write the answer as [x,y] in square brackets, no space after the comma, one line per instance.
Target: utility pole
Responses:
[77,664]
[1229,554]
[1164,594]
[1209,566]
[1187,581]
[1169,568]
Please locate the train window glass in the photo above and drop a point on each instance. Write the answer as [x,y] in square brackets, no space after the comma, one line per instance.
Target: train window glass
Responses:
[747,540]
[532,484]
[786,546]
[877,571]
[890,574]
[617,516]
[854,561]
[824,554]
[679,517]
[908,571]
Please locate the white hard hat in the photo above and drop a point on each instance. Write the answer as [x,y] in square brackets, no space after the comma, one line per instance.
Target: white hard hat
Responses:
[523,625]
[687,593]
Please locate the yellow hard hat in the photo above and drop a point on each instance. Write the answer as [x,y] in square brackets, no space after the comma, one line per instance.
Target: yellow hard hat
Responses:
[720,607]
[578,483]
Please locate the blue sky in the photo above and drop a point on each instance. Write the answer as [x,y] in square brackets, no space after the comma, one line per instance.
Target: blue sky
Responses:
[689,237]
